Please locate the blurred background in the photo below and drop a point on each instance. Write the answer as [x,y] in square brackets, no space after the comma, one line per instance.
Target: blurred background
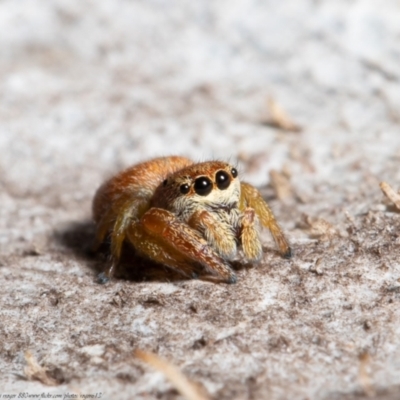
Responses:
[88,87]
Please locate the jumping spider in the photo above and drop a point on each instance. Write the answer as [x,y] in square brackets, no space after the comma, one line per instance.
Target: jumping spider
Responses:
[184,215]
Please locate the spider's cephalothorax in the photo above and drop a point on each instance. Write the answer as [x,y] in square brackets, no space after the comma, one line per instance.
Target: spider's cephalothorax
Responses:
[182,215]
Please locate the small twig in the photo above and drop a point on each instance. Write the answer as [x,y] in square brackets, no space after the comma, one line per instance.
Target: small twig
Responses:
[280,181]
[173,374]
[318,228]
[364,377]
[390,194]
[278,118]
[34,371]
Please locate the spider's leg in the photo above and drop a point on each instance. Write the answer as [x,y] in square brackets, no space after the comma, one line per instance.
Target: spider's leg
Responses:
[251,197]
[161,237]
[116,224]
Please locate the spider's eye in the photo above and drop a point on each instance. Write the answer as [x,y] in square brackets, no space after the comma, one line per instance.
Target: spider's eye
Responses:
[203,186]
[184,188]
[165,182]
[223,180]
[234,172]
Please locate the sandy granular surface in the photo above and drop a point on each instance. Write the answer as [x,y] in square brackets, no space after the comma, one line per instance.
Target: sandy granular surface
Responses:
[87,88]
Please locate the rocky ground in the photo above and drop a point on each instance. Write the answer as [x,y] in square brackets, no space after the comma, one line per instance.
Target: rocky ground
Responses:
[304,96]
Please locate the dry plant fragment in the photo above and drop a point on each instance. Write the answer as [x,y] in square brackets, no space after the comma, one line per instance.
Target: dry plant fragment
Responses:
[364,377]
[278,118]
[390,194]
[317,268]
[318,228]
[280,182]
[34,371]
[178,380]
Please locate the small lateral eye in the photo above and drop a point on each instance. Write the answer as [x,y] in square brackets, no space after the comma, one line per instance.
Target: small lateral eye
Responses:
[165,182]
[234,172]
[203,186]
[184,188]
[223,180]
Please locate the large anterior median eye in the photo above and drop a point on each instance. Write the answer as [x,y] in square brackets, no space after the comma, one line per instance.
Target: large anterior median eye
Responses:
[223,180]
[203,186]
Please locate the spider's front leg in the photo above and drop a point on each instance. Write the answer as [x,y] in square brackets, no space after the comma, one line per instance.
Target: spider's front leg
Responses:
[251,202]
[161,237]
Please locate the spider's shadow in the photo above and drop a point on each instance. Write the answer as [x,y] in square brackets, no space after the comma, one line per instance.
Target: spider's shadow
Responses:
[78,238]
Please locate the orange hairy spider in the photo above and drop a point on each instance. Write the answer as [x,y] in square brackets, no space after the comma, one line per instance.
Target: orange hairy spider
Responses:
[190,217]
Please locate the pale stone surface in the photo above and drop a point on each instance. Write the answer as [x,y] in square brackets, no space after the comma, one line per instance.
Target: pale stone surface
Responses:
[88,88]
